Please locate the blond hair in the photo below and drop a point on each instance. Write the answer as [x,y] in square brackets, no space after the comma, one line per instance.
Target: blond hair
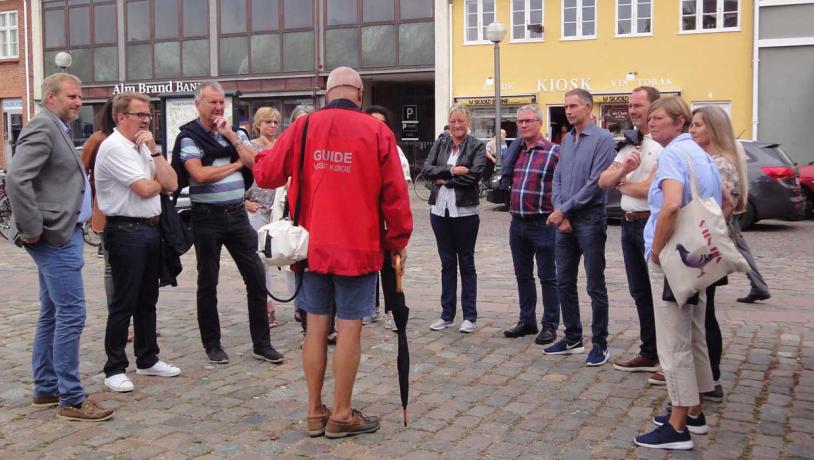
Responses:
[264,114]
[53,83]
[674,107]
[722,138]
[459,109]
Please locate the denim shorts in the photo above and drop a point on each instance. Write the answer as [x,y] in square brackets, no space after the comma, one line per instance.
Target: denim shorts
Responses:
[354,295]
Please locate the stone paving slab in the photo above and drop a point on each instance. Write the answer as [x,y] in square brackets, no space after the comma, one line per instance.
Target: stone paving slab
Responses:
[472,396]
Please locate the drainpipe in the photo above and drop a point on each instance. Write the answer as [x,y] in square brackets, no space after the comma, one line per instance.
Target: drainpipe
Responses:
[449,53]
[27,78]
[755,70]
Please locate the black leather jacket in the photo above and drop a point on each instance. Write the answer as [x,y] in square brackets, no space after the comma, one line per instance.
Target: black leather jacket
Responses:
[473,156]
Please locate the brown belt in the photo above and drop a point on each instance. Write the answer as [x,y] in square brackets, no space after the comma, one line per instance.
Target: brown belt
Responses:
[637,215]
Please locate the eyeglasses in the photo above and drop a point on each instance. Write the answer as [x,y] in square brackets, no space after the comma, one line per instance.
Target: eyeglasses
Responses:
[528,121]
[140,115]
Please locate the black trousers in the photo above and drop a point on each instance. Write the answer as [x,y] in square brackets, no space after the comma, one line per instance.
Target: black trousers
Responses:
[134,253]
[714,340]
[214,227]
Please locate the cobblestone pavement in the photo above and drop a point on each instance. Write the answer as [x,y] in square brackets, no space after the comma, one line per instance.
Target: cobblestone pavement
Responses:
[475,396]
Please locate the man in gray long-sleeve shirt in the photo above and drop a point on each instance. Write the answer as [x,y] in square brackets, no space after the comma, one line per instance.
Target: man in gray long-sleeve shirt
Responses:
[579,214]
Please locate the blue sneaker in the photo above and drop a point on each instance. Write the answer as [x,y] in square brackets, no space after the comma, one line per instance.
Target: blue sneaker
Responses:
[665,437]
[564,348]
[598,356]
[696,425]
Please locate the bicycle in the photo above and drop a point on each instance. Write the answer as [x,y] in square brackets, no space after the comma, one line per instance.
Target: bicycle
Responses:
[422,187]
[5,209]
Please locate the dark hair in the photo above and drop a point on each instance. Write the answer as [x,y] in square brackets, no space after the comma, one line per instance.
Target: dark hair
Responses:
[446,127]
[104,119]
[652,93]
[383,111]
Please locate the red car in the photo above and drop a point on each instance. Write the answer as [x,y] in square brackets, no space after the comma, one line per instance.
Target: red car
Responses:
[807,184]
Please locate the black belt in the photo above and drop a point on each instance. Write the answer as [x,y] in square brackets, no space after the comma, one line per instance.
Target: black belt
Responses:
[532,218]
[215,208]
[636,216]
[155,220]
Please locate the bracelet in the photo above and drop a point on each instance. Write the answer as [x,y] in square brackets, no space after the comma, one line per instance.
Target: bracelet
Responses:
[158,154]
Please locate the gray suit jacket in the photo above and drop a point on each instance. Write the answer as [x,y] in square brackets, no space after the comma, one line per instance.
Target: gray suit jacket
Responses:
[46,181]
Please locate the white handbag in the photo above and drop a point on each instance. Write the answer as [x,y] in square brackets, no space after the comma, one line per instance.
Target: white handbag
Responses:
[700,251]
[284,242]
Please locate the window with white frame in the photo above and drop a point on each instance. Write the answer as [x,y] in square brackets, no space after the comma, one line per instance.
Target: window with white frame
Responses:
[477,15]
[524,14]
[709,15]
[8,35]
[578,19]
[634,17]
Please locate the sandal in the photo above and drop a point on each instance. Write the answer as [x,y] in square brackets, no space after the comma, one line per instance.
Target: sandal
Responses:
[273,319]
[332,338]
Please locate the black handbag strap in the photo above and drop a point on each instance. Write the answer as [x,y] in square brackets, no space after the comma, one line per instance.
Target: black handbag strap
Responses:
[299,181]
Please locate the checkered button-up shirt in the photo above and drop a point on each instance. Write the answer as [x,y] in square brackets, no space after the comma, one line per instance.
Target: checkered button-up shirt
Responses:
[532,179]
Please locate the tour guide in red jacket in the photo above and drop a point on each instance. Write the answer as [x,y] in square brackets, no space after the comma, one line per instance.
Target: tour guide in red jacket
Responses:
[351,185]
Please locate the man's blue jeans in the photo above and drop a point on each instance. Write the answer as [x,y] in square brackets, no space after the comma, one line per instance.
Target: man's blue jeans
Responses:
[588,240]
[55,358]
[530,240]
[638,283]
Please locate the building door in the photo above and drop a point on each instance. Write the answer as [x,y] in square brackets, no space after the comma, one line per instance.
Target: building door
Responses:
[557,123]
[12,125]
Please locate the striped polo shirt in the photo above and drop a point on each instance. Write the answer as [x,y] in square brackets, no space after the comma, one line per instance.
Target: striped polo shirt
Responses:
[225,192]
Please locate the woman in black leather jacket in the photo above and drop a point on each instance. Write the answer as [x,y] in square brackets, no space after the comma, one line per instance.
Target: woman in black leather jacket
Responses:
[455,165]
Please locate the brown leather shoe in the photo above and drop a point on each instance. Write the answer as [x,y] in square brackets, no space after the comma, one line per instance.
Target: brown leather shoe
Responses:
[316,424]
[657,378]
[90,411]
[359,423]
[637,364]
[45,401]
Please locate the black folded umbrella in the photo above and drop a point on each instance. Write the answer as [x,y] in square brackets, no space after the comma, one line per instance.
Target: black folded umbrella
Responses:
[394,302]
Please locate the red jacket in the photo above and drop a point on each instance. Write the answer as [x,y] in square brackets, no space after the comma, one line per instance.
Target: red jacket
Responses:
[352,183]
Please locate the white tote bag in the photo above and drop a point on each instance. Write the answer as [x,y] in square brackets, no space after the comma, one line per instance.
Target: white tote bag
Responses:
[282,243]
[700,252]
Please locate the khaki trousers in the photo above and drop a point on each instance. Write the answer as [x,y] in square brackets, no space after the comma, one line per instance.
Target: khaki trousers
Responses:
[682,345]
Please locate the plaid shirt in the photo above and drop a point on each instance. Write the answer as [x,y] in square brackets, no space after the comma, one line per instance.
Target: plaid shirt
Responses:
[532,179]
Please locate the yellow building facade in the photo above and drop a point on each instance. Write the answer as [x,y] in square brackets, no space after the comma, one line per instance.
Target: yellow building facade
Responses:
[701,50]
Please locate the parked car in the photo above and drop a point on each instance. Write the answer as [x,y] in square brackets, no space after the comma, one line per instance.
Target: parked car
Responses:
[807,186]
[774,189]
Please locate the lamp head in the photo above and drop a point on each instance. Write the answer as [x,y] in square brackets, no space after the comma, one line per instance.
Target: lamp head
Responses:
[495,32]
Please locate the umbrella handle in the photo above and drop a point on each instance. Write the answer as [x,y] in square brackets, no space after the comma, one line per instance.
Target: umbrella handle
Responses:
[399,273]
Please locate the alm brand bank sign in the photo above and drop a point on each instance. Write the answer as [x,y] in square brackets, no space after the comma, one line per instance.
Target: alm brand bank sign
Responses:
[157,88]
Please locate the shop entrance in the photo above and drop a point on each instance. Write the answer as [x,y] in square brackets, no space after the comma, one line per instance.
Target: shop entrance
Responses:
[557,123]
[12,125]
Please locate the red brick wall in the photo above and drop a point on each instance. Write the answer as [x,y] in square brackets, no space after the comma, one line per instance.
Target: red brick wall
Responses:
[12,71]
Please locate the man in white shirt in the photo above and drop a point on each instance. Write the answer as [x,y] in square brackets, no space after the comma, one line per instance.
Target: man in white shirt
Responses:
[631,173]
[130,174]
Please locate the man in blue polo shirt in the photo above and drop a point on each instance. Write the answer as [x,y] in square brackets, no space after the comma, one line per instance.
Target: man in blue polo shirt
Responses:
[217,162]
[580,217]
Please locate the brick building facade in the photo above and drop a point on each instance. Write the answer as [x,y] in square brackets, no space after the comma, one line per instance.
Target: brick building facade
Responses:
[15,40]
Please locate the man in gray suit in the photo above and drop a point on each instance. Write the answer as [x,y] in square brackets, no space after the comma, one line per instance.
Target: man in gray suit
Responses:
[50,199]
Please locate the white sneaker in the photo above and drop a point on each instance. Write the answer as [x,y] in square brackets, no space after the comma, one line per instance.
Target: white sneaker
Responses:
[389,323]
[466,327]
[440,325]
[160,369]
[119,383]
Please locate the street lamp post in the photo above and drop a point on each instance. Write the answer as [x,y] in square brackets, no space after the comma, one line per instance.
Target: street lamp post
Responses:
[495,32]
[63,60]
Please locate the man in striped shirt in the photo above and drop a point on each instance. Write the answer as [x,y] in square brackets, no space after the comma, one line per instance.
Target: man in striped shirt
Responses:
[217,161]
[531,167]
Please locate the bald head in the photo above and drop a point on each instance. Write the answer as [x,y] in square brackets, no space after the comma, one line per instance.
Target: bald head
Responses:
[344,83]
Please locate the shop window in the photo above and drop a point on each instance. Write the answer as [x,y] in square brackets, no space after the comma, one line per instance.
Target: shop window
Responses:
[160,37]
[477,15]
[634,18]
[526,13]
[85,30]
[415,9]
[710,15]
[8,35]
[378,46]
[377,10]
[416,43]
[379,36]
[266,36]
[341,12]
[578,19]
[615,118]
